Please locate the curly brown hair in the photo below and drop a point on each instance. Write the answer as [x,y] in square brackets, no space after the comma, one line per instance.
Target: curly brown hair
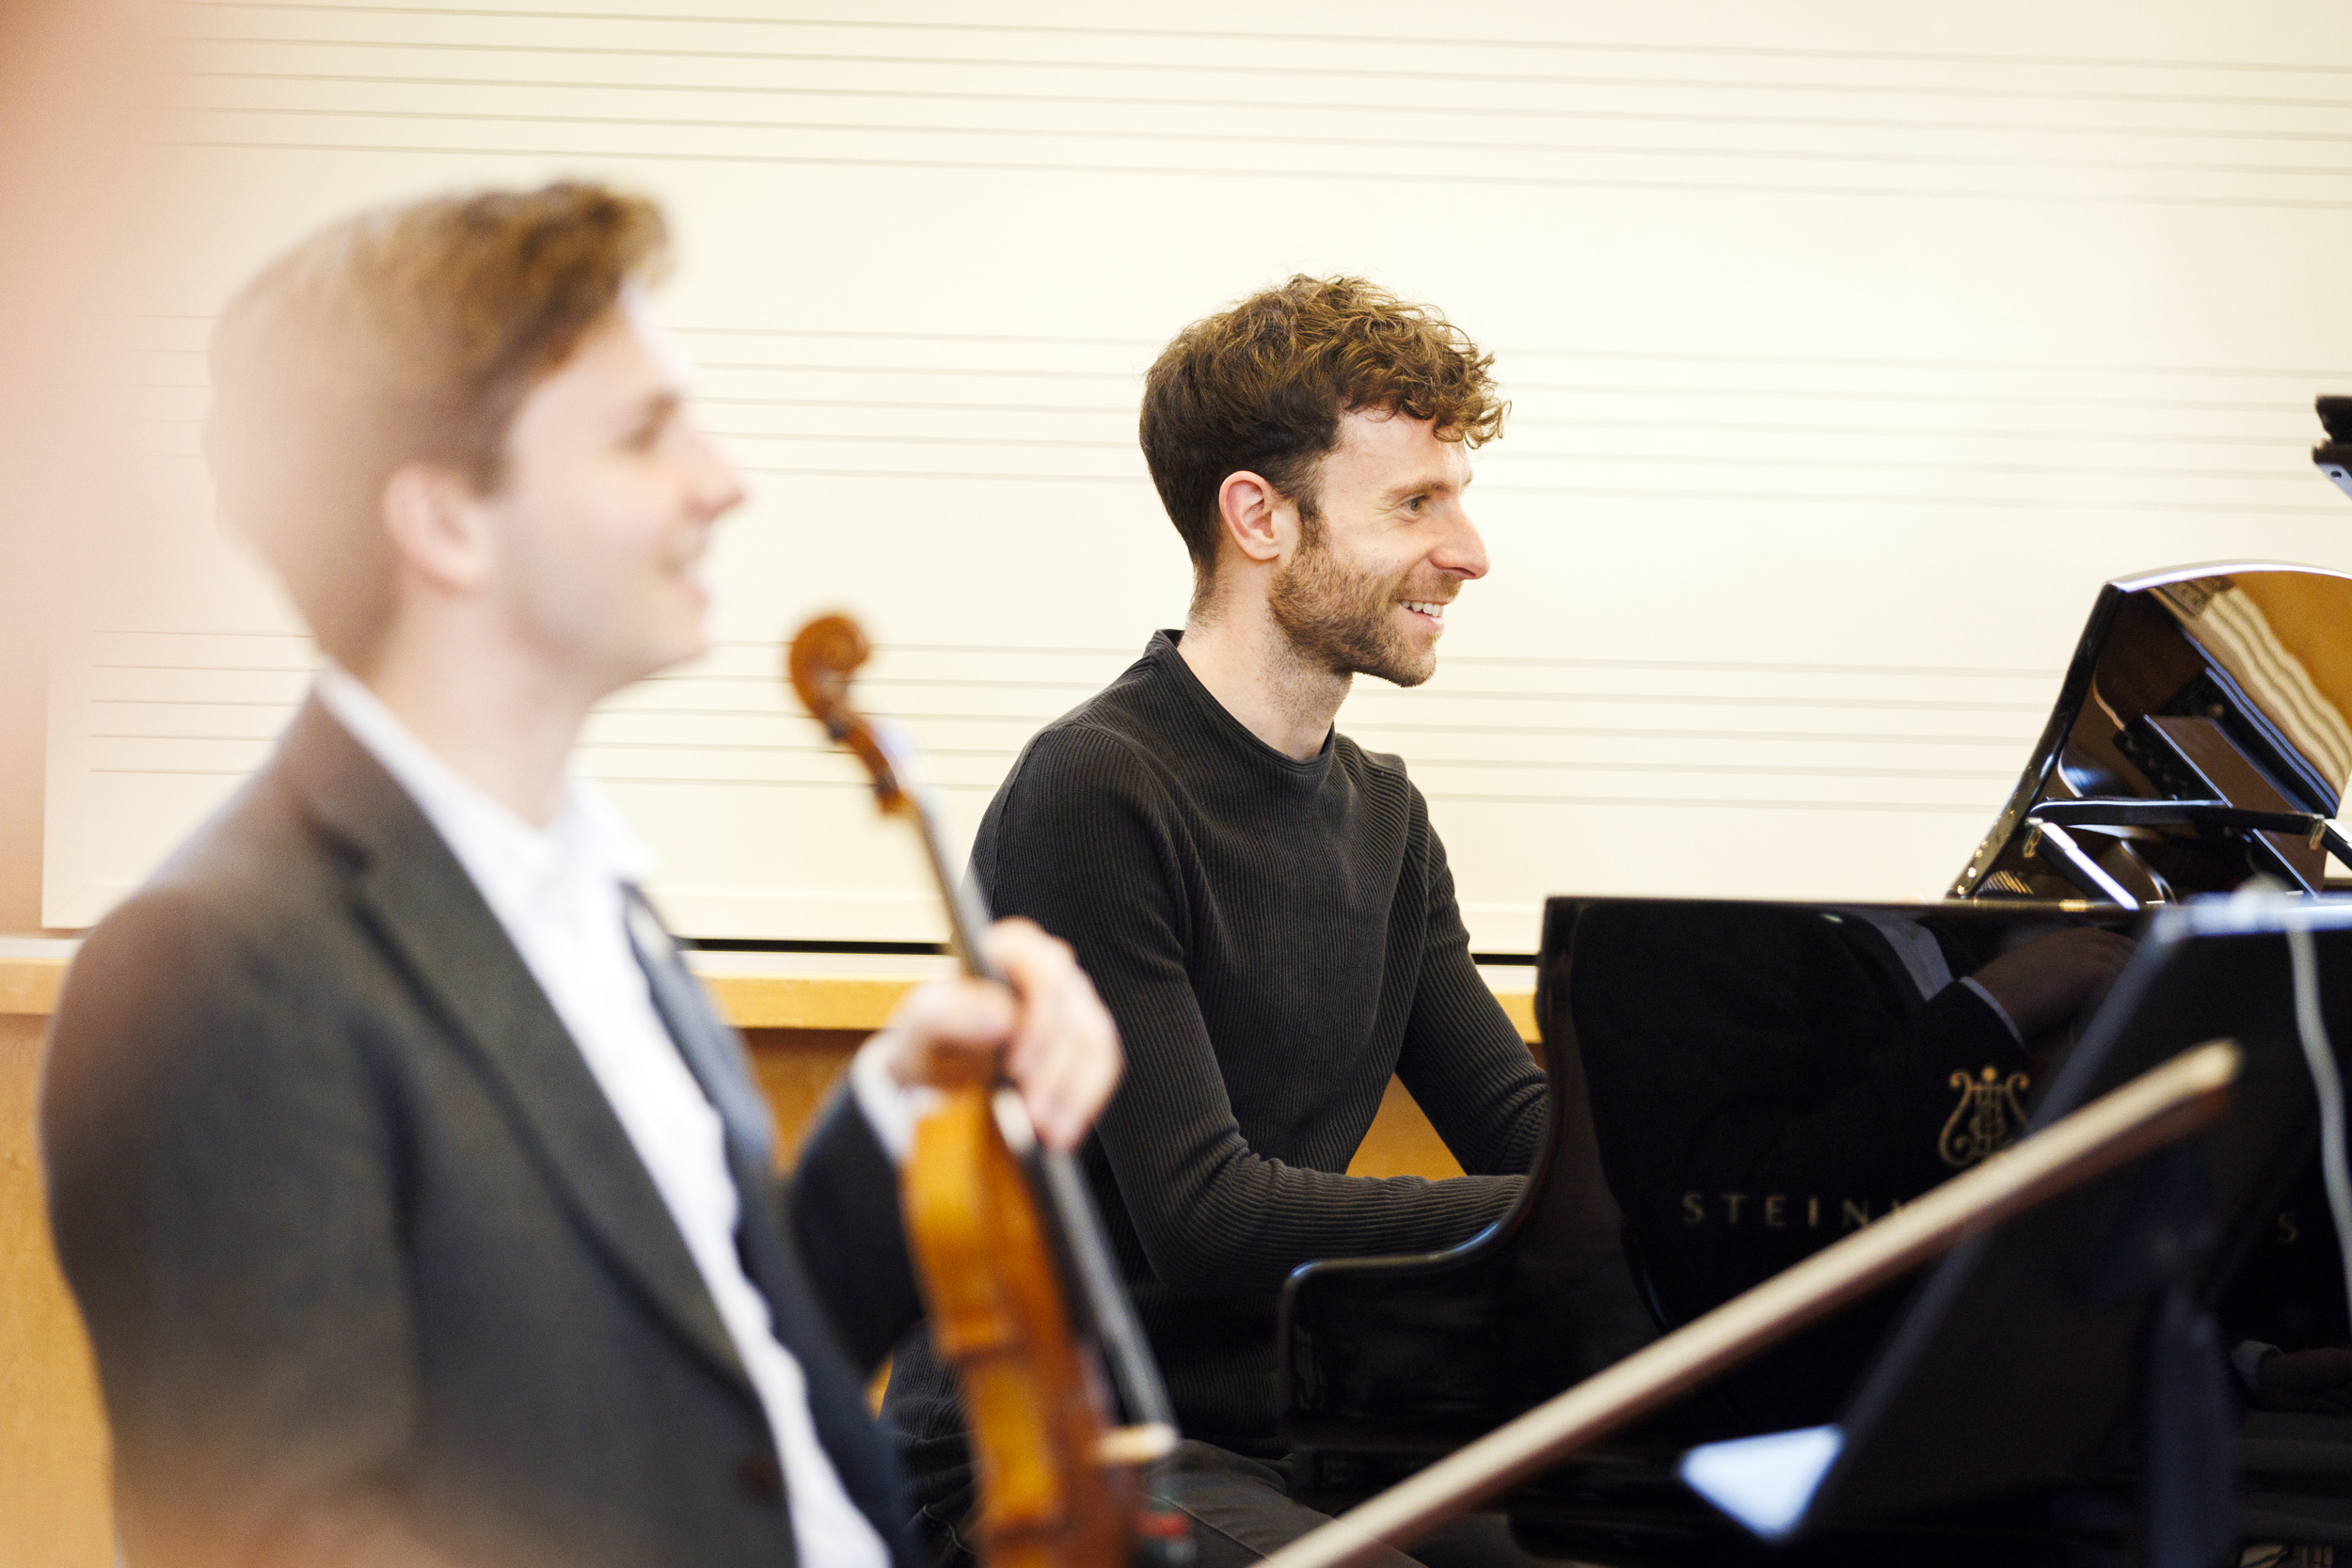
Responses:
[401,334]
[1262,385]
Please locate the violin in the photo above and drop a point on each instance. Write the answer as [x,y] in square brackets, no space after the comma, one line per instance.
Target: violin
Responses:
[1024,1301]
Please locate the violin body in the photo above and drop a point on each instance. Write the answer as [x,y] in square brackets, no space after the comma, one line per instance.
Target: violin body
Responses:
[1034,1404]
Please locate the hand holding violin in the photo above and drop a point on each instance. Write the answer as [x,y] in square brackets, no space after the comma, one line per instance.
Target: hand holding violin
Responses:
[1046,1028]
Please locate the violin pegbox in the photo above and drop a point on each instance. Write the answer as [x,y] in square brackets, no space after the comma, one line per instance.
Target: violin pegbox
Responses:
[824,656]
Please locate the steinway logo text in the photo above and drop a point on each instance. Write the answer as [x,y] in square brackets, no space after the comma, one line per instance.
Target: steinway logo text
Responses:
[1783,1211]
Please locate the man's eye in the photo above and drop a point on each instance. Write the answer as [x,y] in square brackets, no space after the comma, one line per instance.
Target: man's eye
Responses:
[1415,503]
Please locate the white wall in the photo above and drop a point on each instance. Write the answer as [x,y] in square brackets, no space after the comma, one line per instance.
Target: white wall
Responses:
[1851,346]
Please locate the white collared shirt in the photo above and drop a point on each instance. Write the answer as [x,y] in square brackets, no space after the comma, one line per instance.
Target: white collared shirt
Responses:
[557,891]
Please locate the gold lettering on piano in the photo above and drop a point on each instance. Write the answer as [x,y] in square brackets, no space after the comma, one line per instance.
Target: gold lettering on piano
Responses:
[1777,1210]
[1991,1112]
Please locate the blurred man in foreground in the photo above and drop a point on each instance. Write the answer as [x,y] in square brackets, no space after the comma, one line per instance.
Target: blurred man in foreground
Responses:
[419,1206]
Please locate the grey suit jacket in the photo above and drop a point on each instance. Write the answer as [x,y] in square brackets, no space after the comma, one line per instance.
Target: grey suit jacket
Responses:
[371,1269]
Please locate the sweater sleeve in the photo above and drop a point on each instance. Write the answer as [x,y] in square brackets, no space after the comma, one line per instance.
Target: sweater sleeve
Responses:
[1463,1058]
[841,1211]
[1082,841]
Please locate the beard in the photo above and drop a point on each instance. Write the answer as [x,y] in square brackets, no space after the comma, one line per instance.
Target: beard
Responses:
[1344,621]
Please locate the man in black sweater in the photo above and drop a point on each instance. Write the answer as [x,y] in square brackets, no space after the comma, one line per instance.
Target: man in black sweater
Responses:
[1263,904]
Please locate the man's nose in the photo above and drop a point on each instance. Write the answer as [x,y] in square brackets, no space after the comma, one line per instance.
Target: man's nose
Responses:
[1462,552]
[716,484]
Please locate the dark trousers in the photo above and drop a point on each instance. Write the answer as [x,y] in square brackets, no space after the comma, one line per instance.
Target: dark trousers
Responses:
[1241,1510]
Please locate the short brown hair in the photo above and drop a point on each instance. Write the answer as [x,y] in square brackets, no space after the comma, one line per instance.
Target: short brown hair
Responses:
[1262,385]
[401,334]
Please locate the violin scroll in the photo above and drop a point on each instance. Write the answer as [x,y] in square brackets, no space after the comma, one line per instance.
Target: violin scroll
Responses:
[824,655]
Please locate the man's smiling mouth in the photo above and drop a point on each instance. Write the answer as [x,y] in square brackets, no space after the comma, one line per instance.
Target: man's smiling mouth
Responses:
[1431,608]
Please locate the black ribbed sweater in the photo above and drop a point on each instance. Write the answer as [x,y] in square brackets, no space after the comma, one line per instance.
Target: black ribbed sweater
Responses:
[1275,939]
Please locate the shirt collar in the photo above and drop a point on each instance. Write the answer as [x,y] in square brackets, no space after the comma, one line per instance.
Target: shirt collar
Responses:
[509,859]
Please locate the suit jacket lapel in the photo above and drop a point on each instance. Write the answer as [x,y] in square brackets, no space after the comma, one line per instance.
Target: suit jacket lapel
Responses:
[413,892]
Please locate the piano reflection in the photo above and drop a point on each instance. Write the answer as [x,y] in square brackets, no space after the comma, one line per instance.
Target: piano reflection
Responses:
[1737,1085]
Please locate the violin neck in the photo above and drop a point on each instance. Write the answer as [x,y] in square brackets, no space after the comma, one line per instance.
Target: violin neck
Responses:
[967,916]
[1076,1229]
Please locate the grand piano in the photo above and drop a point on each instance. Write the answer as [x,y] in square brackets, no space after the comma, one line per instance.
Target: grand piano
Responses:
[2202,735]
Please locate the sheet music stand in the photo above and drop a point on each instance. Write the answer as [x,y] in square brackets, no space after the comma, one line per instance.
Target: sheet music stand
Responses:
[2022,1357]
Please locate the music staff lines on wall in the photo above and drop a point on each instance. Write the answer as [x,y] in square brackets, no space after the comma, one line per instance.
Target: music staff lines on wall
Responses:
[1354,144]
[1261,172]
[1809,343]
[1321,44]
[200,715]
[1319,50]
[1366,35]
[249,33]
[2056,129]
[1556,424]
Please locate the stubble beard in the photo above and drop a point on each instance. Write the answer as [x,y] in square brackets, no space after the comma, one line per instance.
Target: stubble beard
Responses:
[1341,621]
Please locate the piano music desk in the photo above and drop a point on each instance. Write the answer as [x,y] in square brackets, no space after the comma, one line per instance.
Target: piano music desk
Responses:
[802,1016]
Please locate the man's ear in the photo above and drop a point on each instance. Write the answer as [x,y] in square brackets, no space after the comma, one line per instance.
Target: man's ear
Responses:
[1255,518]
[435,522]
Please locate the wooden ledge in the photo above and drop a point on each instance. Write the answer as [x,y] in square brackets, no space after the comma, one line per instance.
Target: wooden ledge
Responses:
[772,995]
[29,981]
[864,1001]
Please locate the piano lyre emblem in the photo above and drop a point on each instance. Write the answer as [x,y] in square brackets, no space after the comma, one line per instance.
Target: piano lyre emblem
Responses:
[1991,1110]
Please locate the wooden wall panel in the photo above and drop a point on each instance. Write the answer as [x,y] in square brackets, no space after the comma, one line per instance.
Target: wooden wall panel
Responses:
[798,1068]
[53,1508]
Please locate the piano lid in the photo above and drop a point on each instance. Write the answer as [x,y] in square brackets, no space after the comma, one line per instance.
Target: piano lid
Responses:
[2203,734]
